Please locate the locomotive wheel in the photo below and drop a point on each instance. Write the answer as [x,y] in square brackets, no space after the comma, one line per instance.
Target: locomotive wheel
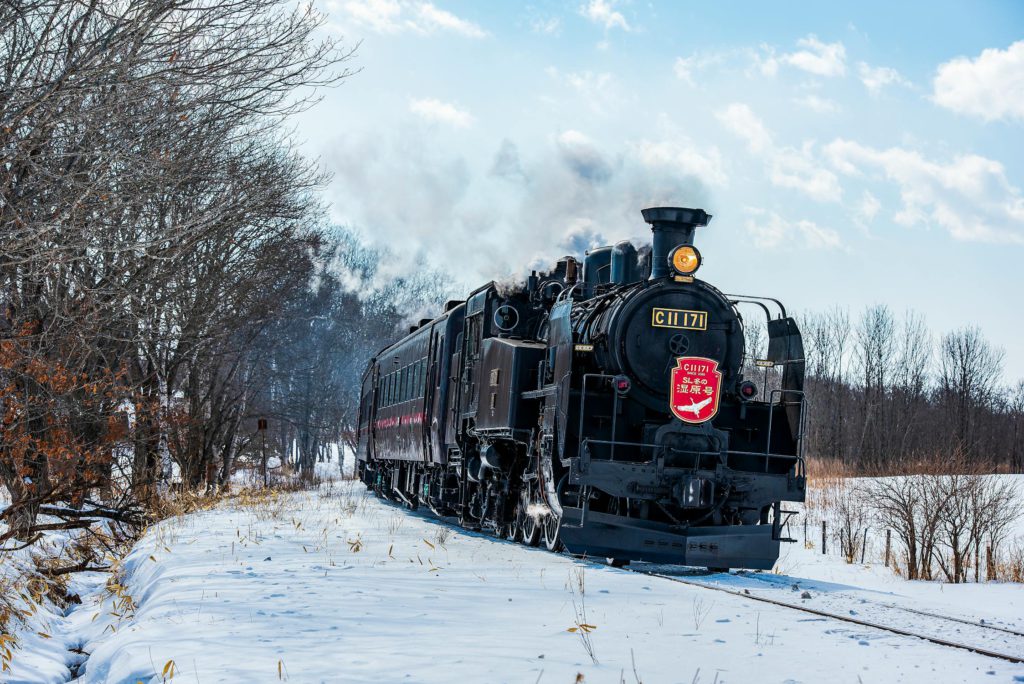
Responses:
[517,526]
[552,538]
[527,528]
[617,562]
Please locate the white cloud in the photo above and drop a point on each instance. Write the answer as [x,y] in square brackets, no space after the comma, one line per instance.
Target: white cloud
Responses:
[821,59]
[603,12]
[785,167]
[382,16]
[399,16]
[876,78]
[686,68]
[434,17]
[798,170]
[551,26]
[683,156]
[869,206]
[443,112]
[821,105]
[598,90]
[989,87]
[765,61]
[741,121]
[768,230]
[970,196]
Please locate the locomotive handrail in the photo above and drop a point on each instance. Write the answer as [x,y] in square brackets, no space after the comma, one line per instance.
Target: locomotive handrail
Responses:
[585,456]
[583,403]
[799,437]
[650,445]
[752,299]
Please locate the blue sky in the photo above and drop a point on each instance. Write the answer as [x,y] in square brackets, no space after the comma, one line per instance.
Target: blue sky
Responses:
[850,155]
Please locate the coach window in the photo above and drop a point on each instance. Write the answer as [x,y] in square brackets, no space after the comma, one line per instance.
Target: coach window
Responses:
[405,384]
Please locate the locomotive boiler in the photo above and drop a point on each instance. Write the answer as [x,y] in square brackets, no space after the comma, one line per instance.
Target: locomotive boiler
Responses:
[602,407]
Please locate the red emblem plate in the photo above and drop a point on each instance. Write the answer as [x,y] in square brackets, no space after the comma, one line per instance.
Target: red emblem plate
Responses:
[696,387]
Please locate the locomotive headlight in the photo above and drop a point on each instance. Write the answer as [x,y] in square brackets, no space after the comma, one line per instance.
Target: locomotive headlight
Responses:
[684,259]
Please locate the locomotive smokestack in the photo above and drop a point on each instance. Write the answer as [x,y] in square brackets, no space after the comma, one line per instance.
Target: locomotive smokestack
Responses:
[672,226]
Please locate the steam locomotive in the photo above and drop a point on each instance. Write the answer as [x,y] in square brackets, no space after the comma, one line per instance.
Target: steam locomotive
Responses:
[601,408]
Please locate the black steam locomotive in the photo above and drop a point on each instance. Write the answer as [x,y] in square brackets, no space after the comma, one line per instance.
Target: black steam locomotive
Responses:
[603,410]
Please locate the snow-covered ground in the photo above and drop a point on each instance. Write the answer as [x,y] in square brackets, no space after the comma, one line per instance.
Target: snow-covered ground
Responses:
[335,586]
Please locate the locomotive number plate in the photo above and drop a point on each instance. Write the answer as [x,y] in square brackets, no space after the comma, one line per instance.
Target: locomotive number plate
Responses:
[679,318]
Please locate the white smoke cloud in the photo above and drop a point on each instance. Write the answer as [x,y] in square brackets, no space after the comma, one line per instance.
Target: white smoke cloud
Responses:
[504,215]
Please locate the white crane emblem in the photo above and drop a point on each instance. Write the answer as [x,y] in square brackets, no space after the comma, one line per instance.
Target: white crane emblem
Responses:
[694,407]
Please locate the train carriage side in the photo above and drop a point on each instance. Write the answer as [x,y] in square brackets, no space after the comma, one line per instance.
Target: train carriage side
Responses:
[403,402]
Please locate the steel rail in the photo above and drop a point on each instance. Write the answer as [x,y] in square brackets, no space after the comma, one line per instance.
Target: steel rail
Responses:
[917,611]
[842,618]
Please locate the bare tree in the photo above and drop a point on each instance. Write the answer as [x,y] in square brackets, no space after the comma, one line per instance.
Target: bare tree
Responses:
[151,210]
[970,368]
[876,355]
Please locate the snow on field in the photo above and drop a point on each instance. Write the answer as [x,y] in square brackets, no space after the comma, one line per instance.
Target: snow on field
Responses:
[334,586]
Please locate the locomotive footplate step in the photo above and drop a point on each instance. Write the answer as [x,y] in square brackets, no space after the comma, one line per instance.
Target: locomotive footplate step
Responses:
[612,536]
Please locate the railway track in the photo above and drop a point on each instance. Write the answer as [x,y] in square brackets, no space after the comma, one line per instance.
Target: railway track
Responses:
[974,648]
[746,594]
[916,611]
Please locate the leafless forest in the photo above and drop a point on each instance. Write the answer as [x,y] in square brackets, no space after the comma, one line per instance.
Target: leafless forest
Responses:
[887,394]
[166,276]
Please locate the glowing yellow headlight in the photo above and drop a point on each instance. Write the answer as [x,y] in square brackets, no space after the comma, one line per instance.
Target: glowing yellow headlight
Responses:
[685,259]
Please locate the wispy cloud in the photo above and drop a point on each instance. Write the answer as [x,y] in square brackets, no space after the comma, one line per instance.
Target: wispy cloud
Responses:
[877,78]
[398,16]
[785,167]
[551,26]
[598,90]
[988,87]
[442,112]
[740,120]
[970,196]
[821,59]
[815,57]
[868,207]
[797,169]
[603,12]
[686,68]
[769,230]
[818,104]
[682,156]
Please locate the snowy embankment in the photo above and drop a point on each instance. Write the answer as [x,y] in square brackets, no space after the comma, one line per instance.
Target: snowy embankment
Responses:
[335,586]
